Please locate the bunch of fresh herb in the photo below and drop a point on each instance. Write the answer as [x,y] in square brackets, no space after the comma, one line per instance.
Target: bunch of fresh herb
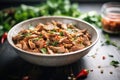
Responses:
[93,18]
[10,17]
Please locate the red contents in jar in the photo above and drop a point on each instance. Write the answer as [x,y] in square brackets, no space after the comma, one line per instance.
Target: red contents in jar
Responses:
[111,23]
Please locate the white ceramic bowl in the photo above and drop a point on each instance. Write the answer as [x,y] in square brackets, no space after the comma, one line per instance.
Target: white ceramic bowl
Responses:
[52,59]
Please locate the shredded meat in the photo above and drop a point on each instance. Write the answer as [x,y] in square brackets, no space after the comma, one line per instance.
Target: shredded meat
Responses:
[52,37]
[60,49]
[31,44]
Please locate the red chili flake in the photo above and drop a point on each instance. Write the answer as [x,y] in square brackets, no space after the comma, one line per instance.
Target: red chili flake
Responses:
[83,73]
[103,57]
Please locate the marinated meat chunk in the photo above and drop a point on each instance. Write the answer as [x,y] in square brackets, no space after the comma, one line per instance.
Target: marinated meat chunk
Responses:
[52,38]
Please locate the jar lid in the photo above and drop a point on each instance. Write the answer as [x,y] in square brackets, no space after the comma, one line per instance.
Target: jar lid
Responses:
[111,17]
[111,9]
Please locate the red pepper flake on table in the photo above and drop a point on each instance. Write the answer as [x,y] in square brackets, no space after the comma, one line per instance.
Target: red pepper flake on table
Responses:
[103,57]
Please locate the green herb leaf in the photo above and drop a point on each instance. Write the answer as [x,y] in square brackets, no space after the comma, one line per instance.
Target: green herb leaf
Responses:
[43,50]
[50,7]
[35,39]
[41,35]
[53,30]
[61,33]
[114,63]
[93,18]
[25,35]
[6,26]
[55,43]
[109,42]
[110,55]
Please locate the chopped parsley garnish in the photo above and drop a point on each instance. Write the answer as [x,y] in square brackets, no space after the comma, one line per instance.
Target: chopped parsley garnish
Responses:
[35,39]
[61,33]
[109,42]
[114,63]
[53,30]
[110,55]
[41,35]
[43,50]
[25,34]
[55,43]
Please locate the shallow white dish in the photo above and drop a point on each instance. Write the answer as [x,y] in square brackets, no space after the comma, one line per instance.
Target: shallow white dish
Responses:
[52,59]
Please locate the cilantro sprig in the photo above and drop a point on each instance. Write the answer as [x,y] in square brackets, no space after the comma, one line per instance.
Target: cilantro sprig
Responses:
[108,41]
[114,63]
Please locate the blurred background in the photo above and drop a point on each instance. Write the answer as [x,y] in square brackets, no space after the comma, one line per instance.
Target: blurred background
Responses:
[12,3]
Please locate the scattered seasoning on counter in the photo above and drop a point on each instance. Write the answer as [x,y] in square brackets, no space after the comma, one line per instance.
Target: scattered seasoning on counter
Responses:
[103,57]
[101,71]
[96,53]
[99,67]
[93,56]
[110,55]
[101,41]
[111,72]
[102,44]
[71,76]
[114,63]
[91,70]
[97,49]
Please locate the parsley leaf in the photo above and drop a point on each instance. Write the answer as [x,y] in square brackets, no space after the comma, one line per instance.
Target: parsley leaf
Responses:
[61,33]
[114,63]
[55,43]
[109,42]
[43,50]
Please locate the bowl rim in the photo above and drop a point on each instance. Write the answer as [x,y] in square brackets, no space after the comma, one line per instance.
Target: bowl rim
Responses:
[44,17]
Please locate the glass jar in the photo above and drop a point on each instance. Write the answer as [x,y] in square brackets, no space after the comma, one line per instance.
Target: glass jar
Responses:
[111,17]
